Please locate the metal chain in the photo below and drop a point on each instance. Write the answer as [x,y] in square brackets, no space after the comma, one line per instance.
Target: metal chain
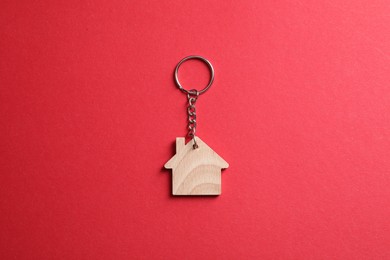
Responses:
[193,95]
[191,110]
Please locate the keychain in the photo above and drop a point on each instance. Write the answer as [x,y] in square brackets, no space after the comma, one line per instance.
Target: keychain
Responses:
[196,168]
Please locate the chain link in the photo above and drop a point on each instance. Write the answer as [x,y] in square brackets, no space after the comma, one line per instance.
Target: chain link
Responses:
[191,110]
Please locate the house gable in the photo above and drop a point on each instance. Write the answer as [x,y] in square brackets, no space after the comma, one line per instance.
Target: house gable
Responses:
[204,153]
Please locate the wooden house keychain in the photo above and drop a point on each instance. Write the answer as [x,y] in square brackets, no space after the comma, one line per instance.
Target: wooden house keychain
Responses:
[196,168]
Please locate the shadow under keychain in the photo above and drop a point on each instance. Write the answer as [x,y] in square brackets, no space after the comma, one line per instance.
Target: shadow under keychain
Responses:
[196,168]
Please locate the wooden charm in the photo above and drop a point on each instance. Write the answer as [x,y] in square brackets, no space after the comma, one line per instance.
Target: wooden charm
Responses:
[195,171]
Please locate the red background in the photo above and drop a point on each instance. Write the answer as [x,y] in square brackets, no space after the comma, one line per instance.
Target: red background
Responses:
[299,108]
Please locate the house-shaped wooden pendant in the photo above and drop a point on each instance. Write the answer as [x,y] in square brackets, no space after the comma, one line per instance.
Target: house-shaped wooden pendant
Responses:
[195,171]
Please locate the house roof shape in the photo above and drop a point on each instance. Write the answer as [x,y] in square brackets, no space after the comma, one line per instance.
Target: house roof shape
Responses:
[202,155]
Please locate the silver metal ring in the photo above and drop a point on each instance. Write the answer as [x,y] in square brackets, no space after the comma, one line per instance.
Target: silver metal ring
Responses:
[192,57]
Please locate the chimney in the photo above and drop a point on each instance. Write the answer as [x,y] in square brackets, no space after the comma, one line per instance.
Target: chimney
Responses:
[180,143]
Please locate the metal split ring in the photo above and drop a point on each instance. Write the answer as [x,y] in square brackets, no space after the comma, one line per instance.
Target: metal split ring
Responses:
[191,92]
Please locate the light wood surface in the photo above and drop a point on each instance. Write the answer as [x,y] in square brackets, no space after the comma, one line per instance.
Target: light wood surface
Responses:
[195,171]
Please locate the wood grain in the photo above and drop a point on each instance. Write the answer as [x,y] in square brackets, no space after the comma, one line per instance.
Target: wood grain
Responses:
[195,171]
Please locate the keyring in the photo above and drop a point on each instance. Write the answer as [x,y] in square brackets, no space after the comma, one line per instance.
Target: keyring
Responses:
[196,168]
[194,57]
